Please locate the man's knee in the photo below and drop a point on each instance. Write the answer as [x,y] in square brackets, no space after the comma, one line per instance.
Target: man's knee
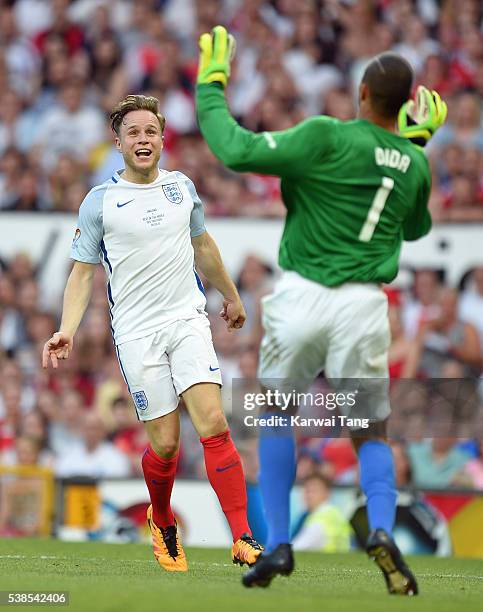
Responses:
[164,444]
[213,422]
[165,448]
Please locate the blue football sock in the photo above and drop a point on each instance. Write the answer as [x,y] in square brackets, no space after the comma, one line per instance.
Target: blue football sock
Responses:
[277,474]
[378,483]
[256,513]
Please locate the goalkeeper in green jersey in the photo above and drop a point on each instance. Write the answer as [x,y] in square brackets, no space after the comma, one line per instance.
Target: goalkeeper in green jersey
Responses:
[353,191]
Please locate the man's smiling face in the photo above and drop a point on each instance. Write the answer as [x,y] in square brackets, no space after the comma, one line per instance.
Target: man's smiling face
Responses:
[140,141]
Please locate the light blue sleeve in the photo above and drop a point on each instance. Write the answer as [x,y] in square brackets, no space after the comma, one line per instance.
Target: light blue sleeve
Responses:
[197,220]
[86,245]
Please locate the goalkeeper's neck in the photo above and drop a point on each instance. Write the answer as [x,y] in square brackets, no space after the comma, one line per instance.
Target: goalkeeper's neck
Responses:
[389,124]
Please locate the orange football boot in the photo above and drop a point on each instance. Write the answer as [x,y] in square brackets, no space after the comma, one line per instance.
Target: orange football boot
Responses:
[246,550]
[167,546]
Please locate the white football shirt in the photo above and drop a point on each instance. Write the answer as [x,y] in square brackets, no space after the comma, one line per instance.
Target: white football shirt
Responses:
[142,235]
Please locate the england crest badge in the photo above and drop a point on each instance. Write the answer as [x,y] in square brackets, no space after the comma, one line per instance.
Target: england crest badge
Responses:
[173,193]
[140,400]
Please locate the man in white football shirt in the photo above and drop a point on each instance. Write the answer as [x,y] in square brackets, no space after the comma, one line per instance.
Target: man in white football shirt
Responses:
[146,226]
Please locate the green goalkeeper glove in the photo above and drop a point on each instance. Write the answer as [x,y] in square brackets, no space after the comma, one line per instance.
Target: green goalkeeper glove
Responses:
[419,119]
[216,52]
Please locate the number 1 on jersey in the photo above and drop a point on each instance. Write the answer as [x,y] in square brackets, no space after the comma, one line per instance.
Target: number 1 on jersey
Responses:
[376,209]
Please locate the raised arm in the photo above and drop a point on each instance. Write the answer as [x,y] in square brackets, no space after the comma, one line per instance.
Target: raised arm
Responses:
[285,153]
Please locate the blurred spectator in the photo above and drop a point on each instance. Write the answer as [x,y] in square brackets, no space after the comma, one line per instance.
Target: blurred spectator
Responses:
[66,422]
[402,464]
[459,191]
[423,305]
[253,283]
[29,197]
[227,348]
[60,26]
[450,347]
[34,427]
[104,159]
[416,46]
[110,386]
[471,302]
[70,377]
[324,528]
[26,451]
[20,55]
[94,456]
[21,269]
[67,173]
[16,127]
[435,463]
[108,71]
[435,74]
[339,104]
[9,316]
[72,127]
[48,406]
[128,435]
[94,341]
[403,352]
[248,362]
[27,302]
[340,460]
[308,462]
[74,194]
[32,16]
[471,475]
[463,126]
[175,104]
[21,499]
[307,59]
[10,414]
[11,165]
[463,201]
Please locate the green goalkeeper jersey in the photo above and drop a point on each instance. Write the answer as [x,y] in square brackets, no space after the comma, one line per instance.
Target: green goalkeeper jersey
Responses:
[353,190]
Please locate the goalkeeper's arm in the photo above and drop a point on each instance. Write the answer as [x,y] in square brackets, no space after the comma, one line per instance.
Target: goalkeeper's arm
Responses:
[285,153]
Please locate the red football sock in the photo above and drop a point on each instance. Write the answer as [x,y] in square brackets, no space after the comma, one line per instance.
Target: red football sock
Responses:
[225,474]
[159,475]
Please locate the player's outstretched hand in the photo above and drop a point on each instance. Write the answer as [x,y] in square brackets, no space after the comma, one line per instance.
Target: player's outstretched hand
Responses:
[217,49]
[419,119]
[58,347]
[233,313]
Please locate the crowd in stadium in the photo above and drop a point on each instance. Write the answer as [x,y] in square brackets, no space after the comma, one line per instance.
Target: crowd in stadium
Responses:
[81,420]
[63,66]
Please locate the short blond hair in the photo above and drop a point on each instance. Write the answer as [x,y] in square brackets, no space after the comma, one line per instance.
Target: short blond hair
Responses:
[133,103]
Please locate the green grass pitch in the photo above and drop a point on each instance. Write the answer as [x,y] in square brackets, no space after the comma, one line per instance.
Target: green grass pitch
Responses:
[122,577]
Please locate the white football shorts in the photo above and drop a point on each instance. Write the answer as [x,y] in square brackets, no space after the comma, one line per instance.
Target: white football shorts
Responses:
[160,367]
[343,331]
